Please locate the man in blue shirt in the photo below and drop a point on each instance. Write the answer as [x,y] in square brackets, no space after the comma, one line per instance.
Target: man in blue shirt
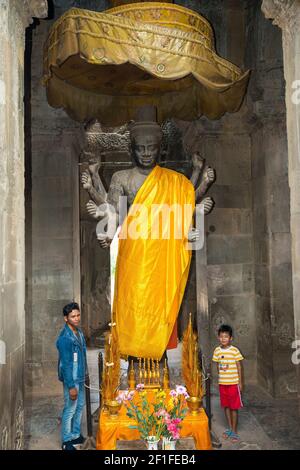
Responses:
[72,368]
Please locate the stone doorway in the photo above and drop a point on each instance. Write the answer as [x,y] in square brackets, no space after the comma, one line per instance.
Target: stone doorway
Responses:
[253,237]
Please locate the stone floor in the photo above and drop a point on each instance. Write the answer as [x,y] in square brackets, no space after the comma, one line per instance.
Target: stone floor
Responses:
[264,422]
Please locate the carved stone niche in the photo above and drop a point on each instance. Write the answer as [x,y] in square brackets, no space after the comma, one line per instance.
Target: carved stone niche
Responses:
[112,145]
[105,145]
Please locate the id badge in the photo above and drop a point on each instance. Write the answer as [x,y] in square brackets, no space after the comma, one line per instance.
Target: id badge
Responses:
[75,357]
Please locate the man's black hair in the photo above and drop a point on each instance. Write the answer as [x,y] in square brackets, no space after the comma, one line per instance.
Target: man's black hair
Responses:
[69,307]
[225,329]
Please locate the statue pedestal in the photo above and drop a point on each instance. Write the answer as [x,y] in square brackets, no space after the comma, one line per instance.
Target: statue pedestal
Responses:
[112,429]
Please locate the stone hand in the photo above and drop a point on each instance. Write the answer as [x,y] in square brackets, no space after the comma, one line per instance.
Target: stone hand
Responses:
[194,235]
[208,205]
[209,175]
[93,210]
[104,242]
[197,161]
[86,180]
[207,179]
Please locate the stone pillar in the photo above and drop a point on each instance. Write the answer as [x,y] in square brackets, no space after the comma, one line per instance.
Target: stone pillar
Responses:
[15,16]
[286,15]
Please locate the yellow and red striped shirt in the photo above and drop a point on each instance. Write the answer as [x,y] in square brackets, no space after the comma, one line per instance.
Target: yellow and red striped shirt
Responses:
[227,359]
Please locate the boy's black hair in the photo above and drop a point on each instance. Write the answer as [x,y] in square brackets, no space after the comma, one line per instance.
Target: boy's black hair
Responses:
[69,307]
[225,329]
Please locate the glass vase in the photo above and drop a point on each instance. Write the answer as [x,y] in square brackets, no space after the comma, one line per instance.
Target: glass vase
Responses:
[169,443]
[152,442]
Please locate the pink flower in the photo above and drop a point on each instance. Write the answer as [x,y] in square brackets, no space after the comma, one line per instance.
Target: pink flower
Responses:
[176,420]
[173,393]
[140,387]
[121,397]
[180,389]
[172,427]
[163,413]
[125,396]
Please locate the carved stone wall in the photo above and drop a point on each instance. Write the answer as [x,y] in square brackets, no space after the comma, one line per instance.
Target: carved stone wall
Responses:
[286,14]
[248,238]
[52,223]
[15,16]
[271,212]
[248,233]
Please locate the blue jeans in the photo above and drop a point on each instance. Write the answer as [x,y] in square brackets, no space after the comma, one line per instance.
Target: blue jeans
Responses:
[72,413]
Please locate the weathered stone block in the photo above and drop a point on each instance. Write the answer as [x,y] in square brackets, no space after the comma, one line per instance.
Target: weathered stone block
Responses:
[233,196]
[231,165]
[275,145]
[51,192]
[222,249]
[47,162]
[280,248]
[281,278]
[56,254]
[229,221]
[260,220]
[260,191]
[229,279]
[261,248]
[262,280]
[237,311]
[53,223]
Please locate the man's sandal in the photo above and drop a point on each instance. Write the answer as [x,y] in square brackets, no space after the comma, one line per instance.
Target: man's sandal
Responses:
[226,434]
[234,437]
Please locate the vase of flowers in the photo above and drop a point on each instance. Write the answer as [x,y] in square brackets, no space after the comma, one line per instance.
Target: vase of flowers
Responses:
[140,409]
[171,410]
[157,415]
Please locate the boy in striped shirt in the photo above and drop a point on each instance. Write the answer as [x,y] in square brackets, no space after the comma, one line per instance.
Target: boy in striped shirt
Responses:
[228,359]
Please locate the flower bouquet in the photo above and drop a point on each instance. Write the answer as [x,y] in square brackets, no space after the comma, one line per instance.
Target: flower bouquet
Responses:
[170,410]
[156,415]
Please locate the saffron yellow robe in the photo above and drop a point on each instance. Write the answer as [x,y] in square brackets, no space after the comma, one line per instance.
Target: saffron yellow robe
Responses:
[151,273]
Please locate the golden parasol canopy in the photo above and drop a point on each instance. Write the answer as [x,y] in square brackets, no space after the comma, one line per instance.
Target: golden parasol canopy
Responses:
[106,65]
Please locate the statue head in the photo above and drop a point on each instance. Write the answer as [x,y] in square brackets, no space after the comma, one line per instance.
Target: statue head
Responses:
[145,139]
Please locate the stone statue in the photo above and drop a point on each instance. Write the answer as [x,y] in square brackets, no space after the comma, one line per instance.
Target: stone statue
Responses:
[145,151]
[137,305]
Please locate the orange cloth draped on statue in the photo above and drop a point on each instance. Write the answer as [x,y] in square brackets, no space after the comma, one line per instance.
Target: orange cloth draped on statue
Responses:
[153,263]
[112,429]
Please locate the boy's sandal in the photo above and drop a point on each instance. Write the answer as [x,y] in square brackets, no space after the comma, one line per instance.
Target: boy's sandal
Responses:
[226,434]
[234,437]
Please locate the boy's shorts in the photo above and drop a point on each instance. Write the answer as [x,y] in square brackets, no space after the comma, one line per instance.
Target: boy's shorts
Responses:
[230,396]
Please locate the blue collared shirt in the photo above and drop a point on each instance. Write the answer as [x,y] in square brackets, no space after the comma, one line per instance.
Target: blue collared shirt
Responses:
[72,363]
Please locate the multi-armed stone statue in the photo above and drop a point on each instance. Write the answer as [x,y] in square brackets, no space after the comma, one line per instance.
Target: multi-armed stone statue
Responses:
[151,273]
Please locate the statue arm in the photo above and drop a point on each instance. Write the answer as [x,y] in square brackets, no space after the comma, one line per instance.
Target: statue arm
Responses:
[91,181]
[198,163]
[206,176]
[116,190]
[207,179]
